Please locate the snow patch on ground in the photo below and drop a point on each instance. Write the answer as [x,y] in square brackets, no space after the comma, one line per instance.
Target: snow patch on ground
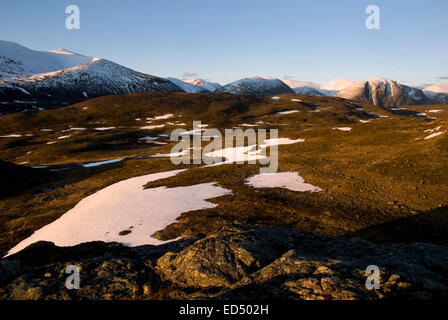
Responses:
[343,128]
[435,134]
[11,136]
[247,153]
[287,112]
[152,127]
[126,206]
[104,128]
[288,180]
[162,117]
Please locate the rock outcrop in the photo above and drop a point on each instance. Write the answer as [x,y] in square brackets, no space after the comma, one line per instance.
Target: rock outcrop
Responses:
[238,262]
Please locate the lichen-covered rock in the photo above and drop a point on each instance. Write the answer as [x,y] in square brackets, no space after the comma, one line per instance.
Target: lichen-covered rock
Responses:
[238,262]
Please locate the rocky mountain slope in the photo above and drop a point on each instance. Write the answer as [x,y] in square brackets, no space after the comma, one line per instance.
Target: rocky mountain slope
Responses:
[384,93]
[256,86]
[237,262]
[53,79]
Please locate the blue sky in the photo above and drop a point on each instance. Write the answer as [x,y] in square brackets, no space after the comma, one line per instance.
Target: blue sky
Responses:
[227,40]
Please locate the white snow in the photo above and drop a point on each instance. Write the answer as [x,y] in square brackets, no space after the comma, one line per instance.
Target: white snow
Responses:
[437,88]
[432,130]
[162,117]
[247,153]
[168,155]
[211,86]
[337,84]
[188,87]
[343,128]
[64,137]
[11,136]
[152,127]
[275,98]
[435,111]
[100,163]
[104,128]
[364,121]
[288,180]
[248,125]
[74,129]
[296,100]
[295,84]
[279,141]
[287,112]
[434,135]
[29,62]
[126,206]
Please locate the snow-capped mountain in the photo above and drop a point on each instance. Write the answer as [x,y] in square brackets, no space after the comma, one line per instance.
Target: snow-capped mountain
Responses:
[438,93]
[437,88]
[17,60]
[337,84]
[315,89]
[188,87]
[257,86]
[308,91]
[384,93]
[295,84]
[332,86]
[210,86]
[93,78]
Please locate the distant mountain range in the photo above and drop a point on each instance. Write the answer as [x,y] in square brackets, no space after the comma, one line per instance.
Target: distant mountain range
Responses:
[32,79]
[196,85]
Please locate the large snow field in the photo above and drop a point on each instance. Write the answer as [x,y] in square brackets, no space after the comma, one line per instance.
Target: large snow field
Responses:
[126,208]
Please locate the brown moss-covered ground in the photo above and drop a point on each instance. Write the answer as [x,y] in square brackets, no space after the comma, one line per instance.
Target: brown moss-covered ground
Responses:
[381,181]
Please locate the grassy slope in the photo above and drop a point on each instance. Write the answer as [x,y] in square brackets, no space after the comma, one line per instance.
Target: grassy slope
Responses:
[378,181]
